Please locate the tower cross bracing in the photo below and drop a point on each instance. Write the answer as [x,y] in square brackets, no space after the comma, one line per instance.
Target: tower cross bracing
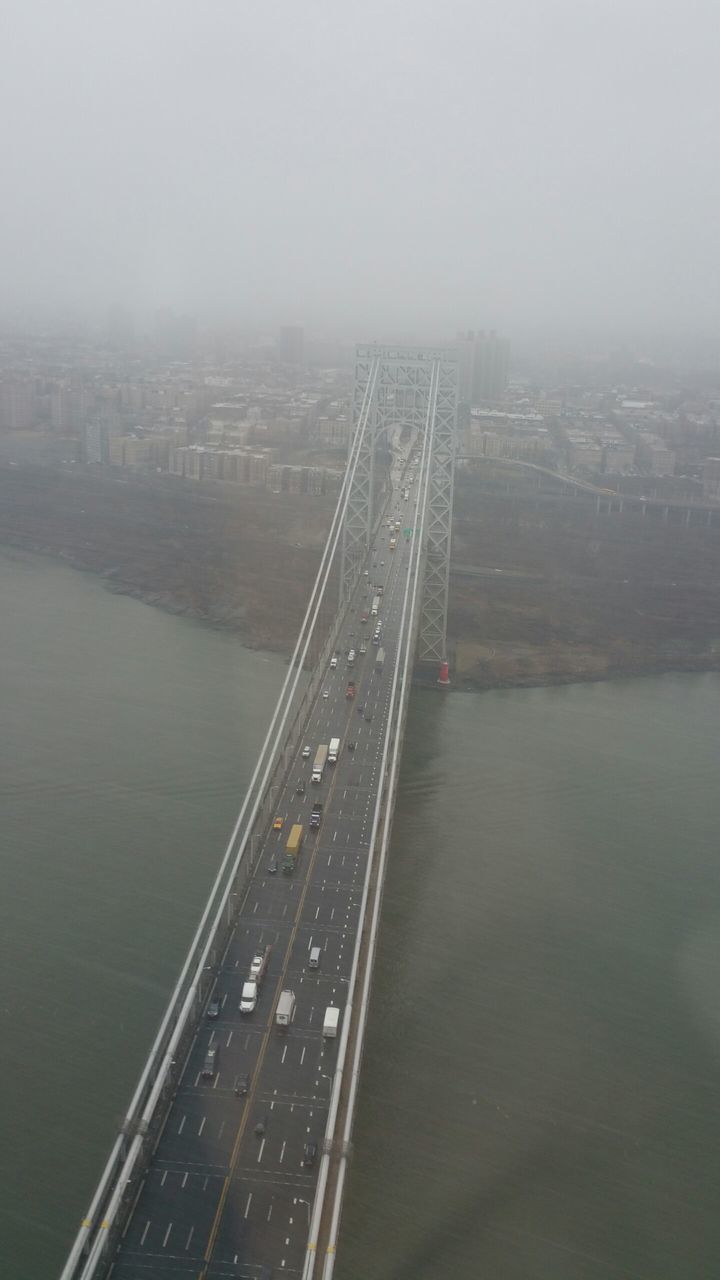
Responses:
[397,387]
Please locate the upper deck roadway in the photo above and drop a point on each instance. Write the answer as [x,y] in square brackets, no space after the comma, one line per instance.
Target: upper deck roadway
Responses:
[218,1198]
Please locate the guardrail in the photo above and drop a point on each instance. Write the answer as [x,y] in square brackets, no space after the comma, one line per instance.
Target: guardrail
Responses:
[382,817]
[119,1182]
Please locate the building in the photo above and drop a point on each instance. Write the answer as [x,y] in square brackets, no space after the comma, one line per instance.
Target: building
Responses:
[291,345]
[653,456]
[97,441]
[484,366]
[18,406]
[175,335]
[139,452]
[284,478]
[711,478]
[68,409]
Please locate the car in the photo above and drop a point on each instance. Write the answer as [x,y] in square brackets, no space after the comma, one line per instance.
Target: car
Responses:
[300,788]
[360,710]
[306,753]
[368,716]
[278,824]
[309,1154]
[351,746]
[382,564]
[326,693]
[213,1009]
[333,663]
[272,867]
[242,1084]
[366,573]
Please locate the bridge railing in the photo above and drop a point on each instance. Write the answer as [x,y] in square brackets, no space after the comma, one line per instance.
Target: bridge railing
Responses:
[132,1147]
[358,990]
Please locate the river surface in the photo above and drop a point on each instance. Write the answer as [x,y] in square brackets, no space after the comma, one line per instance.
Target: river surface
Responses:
[540,1082]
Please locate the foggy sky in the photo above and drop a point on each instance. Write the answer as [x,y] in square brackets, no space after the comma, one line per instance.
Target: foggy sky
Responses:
[405,163]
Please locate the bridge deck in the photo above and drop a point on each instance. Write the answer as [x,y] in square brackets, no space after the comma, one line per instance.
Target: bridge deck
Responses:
[219,1199]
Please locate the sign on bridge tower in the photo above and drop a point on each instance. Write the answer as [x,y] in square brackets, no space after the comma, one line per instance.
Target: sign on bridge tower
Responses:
[415,388]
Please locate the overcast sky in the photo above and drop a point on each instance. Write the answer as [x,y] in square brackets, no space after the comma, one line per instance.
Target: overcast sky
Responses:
[417,164]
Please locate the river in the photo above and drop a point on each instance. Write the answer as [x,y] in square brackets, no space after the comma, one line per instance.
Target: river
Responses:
[539,1091]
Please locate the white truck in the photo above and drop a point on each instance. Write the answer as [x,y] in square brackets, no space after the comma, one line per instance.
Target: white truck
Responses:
[333,750]
[248,999]
[375,607]
[319,763]
[285,1009]
[331,1022]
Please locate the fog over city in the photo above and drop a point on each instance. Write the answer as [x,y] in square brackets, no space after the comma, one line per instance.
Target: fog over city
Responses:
[371,167]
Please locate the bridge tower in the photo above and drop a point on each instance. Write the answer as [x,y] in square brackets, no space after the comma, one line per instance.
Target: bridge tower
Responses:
[397,387]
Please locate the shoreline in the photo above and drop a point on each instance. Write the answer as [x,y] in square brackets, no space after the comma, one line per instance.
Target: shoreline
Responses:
[231,623]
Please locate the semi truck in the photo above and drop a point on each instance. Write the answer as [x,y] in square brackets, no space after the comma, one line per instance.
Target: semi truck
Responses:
[319,763]
[380,660]
[333,750]
[285,1009]
[375,607]
[293,847]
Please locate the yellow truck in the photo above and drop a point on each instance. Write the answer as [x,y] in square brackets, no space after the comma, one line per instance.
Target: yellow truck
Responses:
[292,848]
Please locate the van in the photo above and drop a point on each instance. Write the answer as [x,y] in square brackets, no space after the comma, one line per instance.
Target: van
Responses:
[248,999]
[210,1064]
[333,663]
[314,961]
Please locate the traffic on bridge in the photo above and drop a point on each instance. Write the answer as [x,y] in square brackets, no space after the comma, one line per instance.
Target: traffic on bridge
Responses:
[233,1157]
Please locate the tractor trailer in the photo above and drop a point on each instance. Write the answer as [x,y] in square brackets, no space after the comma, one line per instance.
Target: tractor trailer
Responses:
[319,763]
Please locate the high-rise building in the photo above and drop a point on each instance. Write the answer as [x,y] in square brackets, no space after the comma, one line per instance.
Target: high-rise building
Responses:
[291,345]
[175,335]
[68,409]
[484,366]
[17,404]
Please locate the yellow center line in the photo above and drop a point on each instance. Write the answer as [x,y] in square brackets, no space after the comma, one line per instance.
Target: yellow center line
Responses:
[261,1056]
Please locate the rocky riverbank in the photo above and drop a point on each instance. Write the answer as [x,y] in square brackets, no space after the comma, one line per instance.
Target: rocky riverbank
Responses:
[542,592]
[547,590]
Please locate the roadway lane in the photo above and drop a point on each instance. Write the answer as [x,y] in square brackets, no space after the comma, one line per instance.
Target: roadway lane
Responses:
[227,1192]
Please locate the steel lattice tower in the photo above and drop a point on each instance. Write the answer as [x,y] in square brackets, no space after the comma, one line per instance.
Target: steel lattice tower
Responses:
[398,386]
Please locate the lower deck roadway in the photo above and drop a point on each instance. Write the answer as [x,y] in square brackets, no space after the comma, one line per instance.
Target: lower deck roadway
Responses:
[219,1199]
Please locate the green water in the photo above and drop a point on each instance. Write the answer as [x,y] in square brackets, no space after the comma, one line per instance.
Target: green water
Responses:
[539,1095]
[127,738]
